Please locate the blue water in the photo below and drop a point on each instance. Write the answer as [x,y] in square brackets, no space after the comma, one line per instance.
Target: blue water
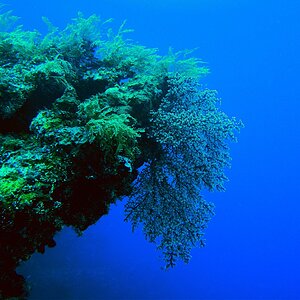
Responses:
[253,243]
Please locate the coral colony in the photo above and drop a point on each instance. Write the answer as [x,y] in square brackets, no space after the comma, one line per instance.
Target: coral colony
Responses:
[87,116]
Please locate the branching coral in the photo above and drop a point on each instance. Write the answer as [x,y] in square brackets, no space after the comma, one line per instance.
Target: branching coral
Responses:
[189,134]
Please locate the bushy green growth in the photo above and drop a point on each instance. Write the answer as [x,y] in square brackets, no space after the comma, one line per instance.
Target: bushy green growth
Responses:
[111,130]
[17,45]
[59,71]
[58,125]
[125,57]
[72,124]
[76,43]
[15,88]
[28,175]
[85,56]
[7,20]
[181,62]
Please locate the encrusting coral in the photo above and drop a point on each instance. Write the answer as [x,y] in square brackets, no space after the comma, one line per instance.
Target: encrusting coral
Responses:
[86,117]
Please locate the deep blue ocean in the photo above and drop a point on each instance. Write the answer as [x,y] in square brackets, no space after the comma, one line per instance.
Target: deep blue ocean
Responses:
[253,243]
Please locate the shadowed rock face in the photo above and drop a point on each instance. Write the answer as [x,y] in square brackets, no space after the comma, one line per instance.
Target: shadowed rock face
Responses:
[84,202]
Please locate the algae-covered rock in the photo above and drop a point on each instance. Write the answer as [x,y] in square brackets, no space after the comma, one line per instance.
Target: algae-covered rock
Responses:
[81,110]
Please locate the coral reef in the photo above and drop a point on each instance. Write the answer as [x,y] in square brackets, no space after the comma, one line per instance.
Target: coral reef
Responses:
[87,116]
